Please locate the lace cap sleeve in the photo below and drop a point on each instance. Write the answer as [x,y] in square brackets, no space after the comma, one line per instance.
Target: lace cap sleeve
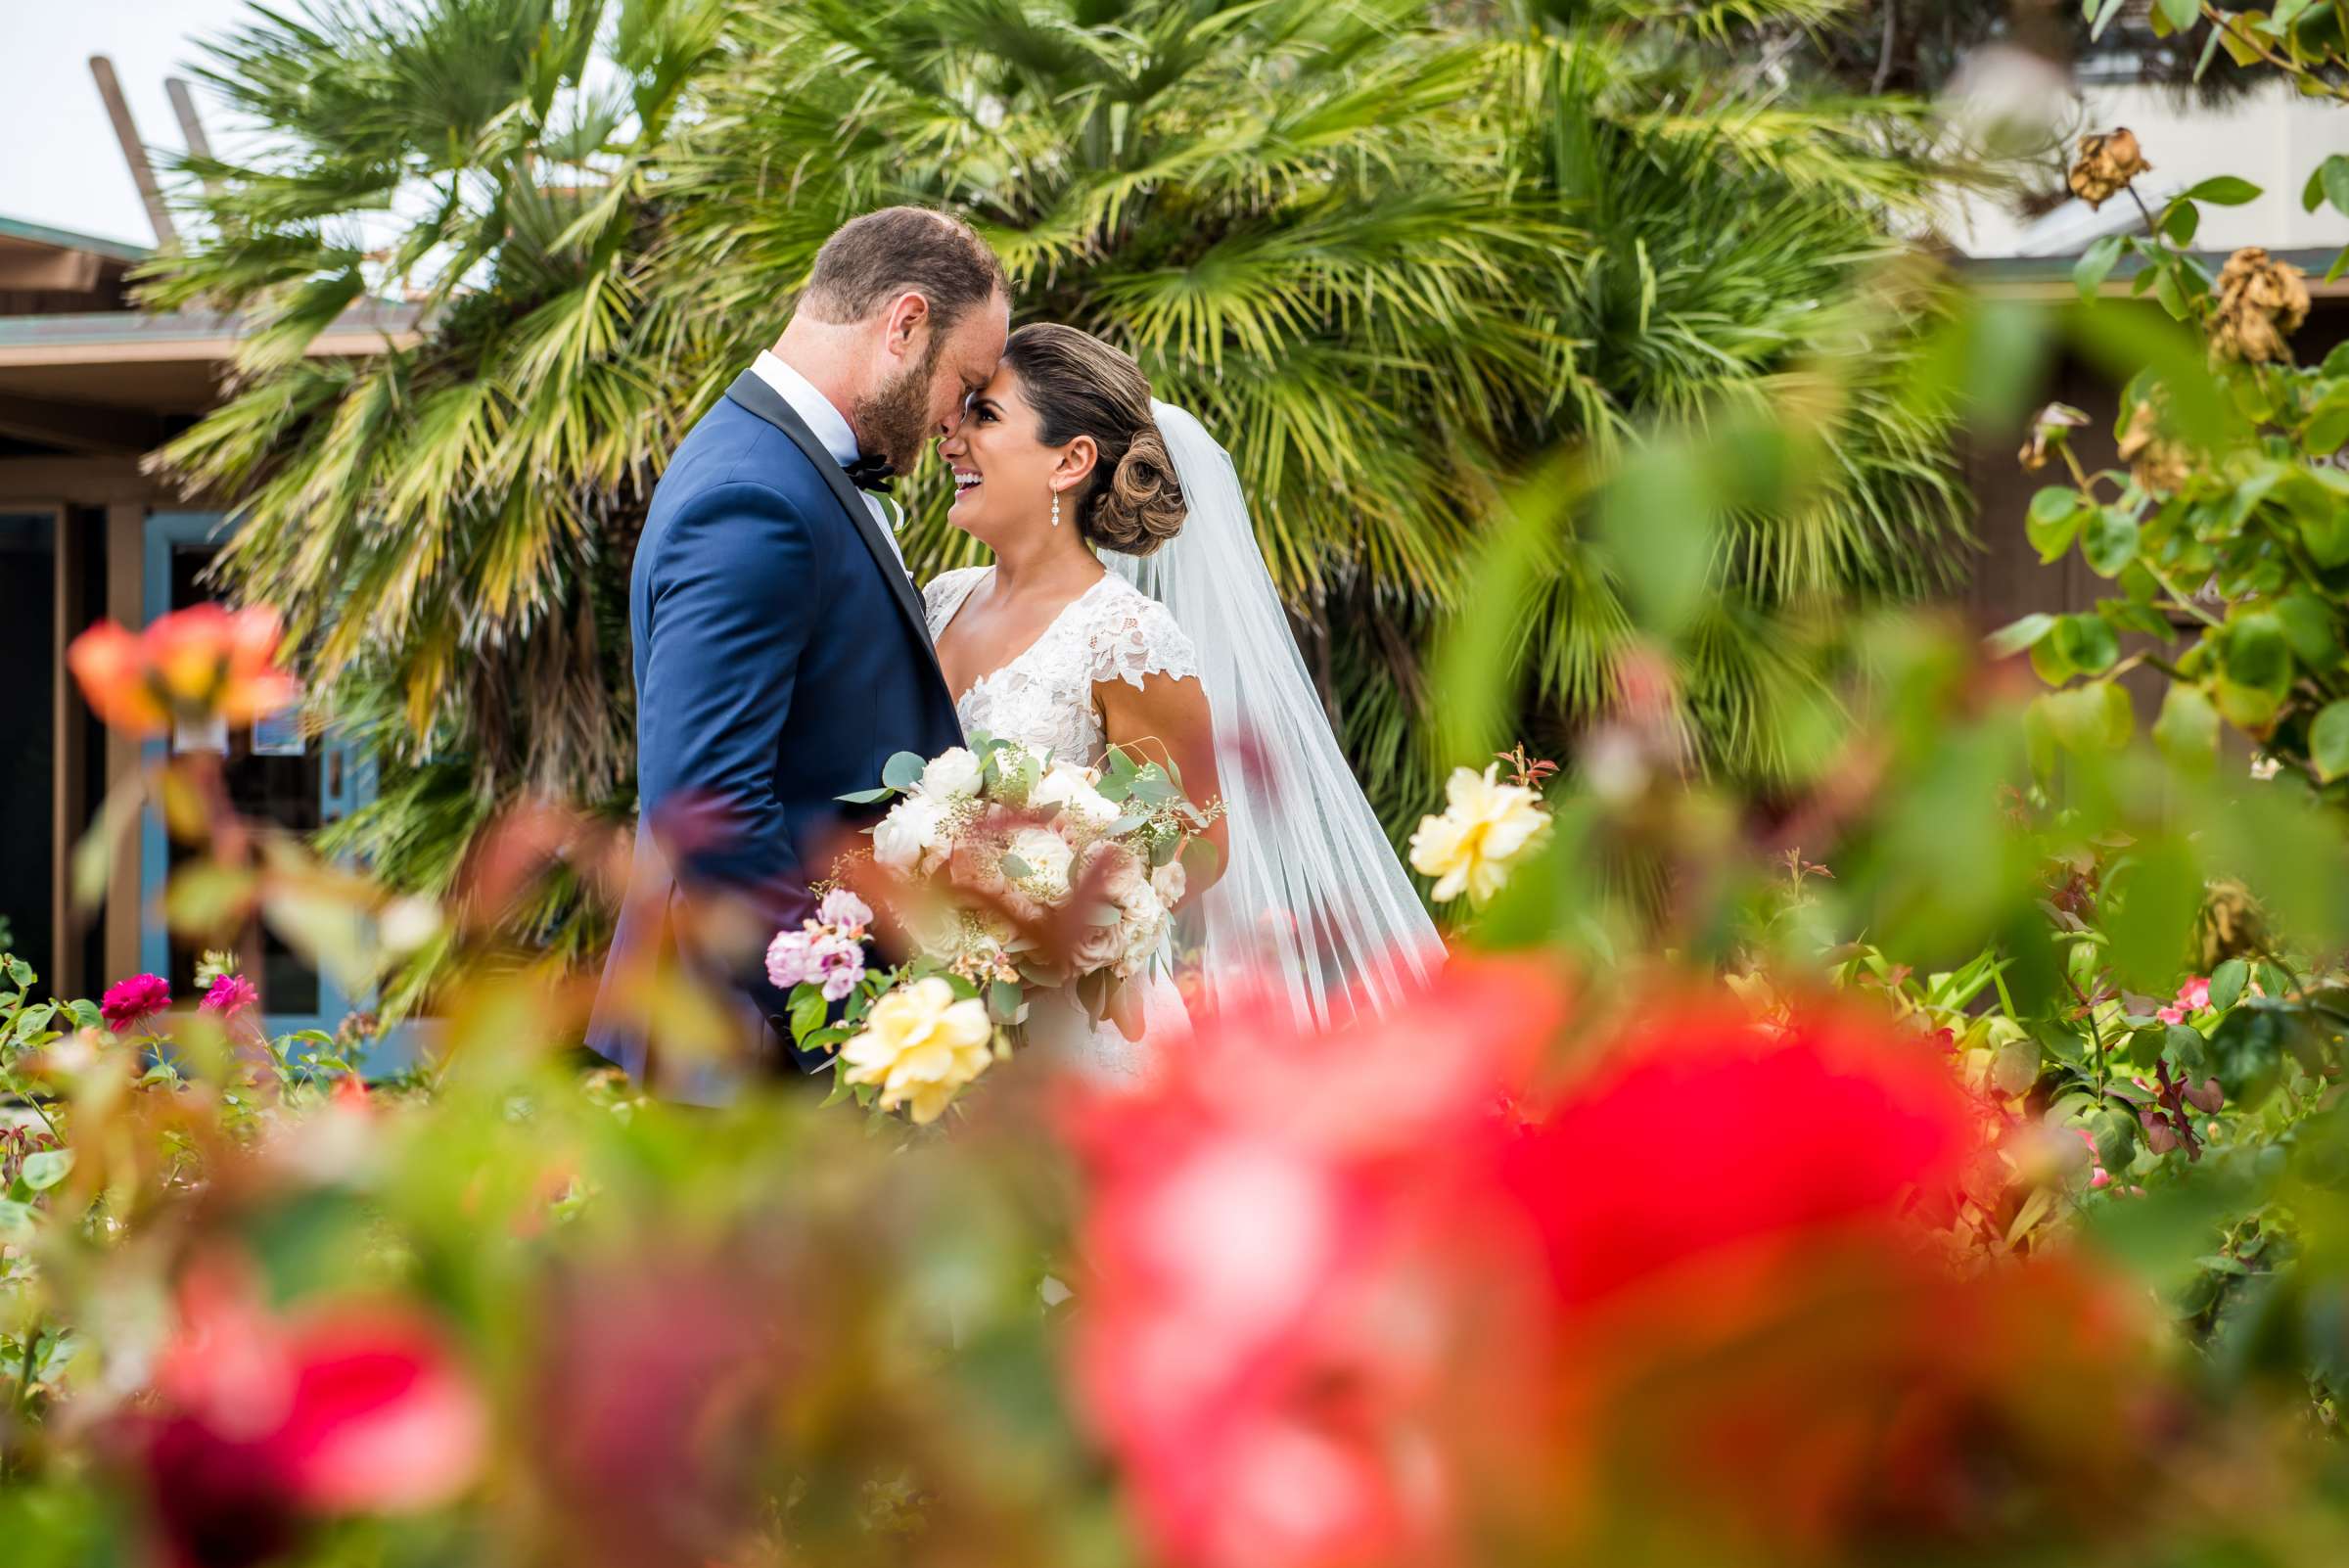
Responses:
[944,594]
[1133,636]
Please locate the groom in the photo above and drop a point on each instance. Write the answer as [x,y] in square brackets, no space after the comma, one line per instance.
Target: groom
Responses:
[780,652]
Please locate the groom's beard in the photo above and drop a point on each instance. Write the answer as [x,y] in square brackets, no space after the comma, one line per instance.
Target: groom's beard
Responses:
[894,421]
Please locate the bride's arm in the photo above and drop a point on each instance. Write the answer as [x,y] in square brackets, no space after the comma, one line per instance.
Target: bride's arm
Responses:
[1165,720]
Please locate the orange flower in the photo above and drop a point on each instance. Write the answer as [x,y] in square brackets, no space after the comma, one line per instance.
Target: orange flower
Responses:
[193,664]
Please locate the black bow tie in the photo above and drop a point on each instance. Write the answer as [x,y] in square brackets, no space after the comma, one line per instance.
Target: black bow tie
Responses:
[871,473]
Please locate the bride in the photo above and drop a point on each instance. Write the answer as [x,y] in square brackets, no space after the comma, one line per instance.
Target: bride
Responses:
[1129,605]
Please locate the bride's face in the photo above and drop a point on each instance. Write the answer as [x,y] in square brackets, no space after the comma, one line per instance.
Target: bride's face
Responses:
[1004,475]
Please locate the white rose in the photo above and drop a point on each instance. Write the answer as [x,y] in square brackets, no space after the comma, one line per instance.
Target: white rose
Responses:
[1072,789]
[1170,882]
[913,835]
[951,775]
[1048,858]
[1143,927]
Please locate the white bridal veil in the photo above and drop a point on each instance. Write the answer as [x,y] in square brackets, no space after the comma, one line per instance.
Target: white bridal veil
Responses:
[1313,899]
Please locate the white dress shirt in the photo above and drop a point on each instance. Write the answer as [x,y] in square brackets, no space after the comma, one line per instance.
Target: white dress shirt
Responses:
[831,428]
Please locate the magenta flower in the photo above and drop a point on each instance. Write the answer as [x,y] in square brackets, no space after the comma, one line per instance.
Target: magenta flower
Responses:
[230,995]
[128,1003]
[2194,994]
[839,963]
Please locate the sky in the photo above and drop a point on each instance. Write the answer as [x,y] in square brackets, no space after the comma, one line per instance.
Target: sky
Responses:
[63,166]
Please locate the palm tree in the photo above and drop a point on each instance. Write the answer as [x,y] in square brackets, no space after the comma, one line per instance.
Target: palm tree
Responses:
[1393,256]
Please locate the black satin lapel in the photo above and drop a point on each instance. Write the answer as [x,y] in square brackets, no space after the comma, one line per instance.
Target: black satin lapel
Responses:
[768,404]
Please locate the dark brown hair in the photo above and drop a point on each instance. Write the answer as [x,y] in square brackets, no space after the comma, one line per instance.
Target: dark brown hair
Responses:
[1080,386]
[871,261]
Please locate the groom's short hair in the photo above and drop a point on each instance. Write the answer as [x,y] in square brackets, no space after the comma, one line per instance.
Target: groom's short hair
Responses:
[873,260]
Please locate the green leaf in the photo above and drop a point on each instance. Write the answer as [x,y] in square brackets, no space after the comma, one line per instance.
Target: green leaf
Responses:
[15,1219]
[2110,541]
[2015,1068]
[2188,731]
[2257,654]
[2181,220]
[47,1168]
[2017,635]
[2115,1133]
[2087,642]
[1003,1001]
[865,797]
[904,771]
[2095,265]
[2329,741]
[808,1012]
[2187,1051]
[1015,867]
[2251,709]
[2227,982]
[2225,190]
[2308,626]
[2333,175]
[2090,718]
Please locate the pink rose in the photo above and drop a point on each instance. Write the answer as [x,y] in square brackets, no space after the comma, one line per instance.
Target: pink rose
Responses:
[843,911]
[230,995]
[791,958]
[839,963]
[2194,994]
[128,1003]
[2170,1015]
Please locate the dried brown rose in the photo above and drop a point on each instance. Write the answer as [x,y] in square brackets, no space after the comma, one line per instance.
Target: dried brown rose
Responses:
[2047,434]
[2107,163]
[2159,465]
[2260,301]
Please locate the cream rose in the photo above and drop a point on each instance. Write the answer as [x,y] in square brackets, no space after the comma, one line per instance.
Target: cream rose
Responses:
[1484,828]
[1170,882]
[951,775]
[921,1044]
[1071,788]
[912,836]
[1049,858]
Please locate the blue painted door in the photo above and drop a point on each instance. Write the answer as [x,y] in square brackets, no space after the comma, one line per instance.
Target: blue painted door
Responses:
[272,773]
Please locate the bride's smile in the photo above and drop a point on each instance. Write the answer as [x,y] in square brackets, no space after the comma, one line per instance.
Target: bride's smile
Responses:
[1005,473]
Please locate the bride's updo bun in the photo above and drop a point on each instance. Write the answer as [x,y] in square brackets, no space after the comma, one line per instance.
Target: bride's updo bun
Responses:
[1080,386]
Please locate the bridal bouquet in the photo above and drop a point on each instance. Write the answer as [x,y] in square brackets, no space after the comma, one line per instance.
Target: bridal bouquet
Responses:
[1007,871]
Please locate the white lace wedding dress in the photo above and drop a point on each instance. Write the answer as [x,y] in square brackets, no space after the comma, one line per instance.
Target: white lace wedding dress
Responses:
[1045,697]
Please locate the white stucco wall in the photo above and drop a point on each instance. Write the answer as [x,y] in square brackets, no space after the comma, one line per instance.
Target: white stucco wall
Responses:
[2274,138]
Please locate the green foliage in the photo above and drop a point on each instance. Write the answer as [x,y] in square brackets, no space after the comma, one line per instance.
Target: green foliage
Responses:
[1392,259]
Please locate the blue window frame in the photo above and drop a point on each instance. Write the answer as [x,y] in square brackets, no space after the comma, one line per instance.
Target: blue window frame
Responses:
[325,782]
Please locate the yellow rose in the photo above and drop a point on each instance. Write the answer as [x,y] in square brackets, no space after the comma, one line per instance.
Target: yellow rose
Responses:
[921,1043]
[1484,827]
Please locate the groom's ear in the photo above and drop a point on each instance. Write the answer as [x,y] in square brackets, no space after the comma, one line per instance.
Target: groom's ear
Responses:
[909,318]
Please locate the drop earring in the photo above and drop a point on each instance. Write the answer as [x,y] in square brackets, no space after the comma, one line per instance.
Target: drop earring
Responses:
[1056,508]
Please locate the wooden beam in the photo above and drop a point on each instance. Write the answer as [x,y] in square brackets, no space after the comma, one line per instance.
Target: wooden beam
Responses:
[191,124]
[335,342]
[89,482]
[81,427]
[125,601]
[66,781]
[134,152]
[38,269]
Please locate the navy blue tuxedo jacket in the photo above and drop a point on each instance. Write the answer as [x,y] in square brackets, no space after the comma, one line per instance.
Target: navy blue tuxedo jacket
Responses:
[780,660]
